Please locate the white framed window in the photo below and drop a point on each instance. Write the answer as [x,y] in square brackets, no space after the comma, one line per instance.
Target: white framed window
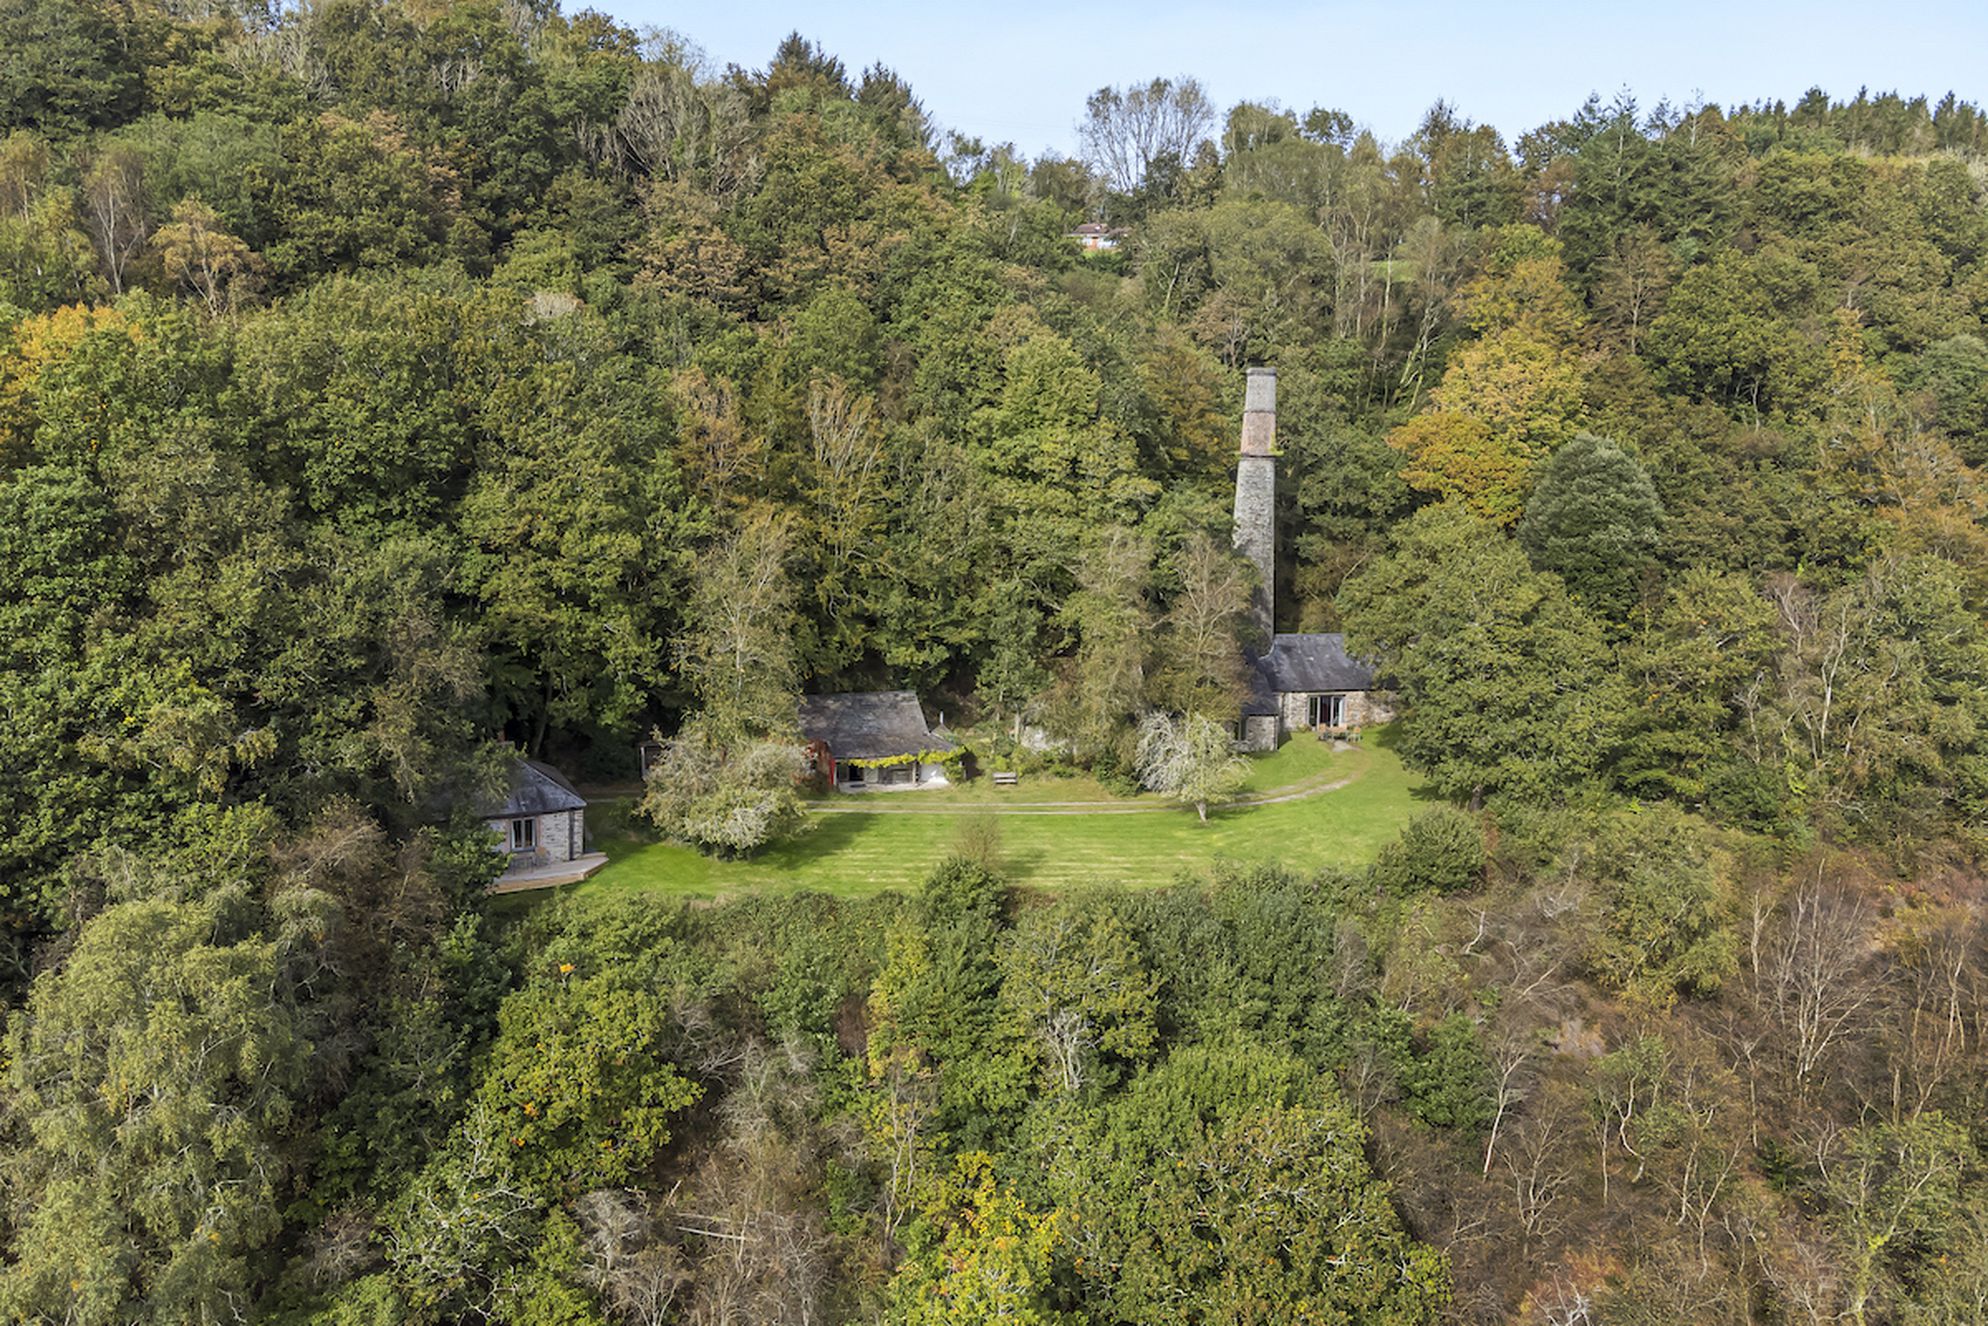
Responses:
[1326,710]
[524,835]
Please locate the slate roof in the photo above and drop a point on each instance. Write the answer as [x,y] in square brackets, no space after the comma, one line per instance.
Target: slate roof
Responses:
[869,725]
[537,789]
[1262,700]
[1315,661]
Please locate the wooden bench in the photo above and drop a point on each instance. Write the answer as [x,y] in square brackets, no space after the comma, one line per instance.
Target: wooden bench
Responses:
[1006,778]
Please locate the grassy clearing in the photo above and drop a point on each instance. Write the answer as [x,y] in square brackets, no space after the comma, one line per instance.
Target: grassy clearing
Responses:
[1299,761]
[854,853]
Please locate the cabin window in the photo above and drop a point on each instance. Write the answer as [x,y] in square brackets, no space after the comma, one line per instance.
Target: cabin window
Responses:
[1326,710]
[852,774]
[524,835]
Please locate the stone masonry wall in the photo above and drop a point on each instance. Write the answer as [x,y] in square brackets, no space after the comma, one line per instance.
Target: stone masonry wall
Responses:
[1256,536]
[562,836]
[1361,709]
[556,835]
[1256,493]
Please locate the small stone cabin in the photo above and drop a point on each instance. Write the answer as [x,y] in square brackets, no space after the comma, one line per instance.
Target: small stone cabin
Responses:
[1308,682]
[542,821]
[873,740]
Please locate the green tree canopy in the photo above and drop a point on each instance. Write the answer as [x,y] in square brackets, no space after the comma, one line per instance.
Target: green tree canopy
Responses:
[1504,681]
[150,1085]
[1593,520]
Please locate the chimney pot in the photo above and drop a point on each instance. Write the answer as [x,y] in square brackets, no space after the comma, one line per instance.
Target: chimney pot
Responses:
[1260,391]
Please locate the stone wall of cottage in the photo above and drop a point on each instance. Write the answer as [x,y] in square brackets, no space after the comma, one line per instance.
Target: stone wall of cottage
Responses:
[1369,708]
[1260,732]
[559,835]
[562,836]
[1361,708]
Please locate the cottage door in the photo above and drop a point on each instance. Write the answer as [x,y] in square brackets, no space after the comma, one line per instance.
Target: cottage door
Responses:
[1326,710]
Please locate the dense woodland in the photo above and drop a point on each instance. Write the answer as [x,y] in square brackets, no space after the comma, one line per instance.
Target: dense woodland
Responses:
[385,387]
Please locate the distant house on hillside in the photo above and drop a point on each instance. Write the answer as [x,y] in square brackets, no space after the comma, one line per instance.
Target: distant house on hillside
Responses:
[542,821]
[1096,236]
[869,740]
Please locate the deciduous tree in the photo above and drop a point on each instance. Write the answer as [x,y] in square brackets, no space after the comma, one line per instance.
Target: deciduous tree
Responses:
[1189,758]
[1504,683]
[151,1082]
[738,653]
[205,260]
[1125,131]
[728,793]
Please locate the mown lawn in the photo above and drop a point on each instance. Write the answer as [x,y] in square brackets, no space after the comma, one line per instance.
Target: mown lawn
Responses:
[864,852]
[1296,762]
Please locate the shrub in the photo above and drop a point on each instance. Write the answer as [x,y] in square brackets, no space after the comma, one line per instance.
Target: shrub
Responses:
[1441,849]
[1448,1084]
[977,839]
[1664,922]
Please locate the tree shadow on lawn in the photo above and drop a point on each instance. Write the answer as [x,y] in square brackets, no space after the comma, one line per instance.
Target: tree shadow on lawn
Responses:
[826,834]
[1020,864]
[1388,738]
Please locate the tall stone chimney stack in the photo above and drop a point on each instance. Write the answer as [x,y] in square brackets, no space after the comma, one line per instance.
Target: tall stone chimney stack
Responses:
[1256,493]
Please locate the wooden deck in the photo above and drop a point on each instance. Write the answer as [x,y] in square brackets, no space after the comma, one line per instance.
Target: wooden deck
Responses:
[548,877]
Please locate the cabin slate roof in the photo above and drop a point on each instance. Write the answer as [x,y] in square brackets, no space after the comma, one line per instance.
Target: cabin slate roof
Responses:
[1262,700]
[869,725]
[1312,661]
[537,789]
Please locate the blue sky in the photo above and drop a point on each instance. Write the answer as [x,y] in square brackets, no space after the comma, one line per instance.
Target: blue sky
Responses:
[1020,71]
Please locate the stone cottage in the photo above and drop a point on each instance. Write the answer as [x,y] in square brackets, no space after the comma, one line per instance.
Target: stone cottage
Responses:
[1303,680]
[1308,682]
[873,740]
[542,821]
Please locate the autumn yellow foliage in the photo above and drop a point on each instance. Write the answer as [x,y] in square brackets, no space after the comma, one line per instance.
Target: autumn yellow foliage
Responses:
[34,345]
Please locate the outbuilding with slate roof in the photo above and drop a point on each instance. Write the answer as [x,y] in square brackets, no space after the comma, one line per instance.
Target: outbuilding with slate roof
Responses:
[541,821]
[1308,681]
[869,740]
